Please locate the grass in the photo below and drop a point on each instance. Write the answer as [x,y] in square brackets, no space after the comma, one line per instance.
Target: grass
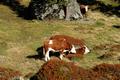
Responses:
[110,2]
[20,38]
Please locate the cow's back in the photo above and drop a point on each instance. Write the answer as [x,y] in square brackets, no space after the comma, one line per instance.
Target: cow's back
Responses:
[69,39]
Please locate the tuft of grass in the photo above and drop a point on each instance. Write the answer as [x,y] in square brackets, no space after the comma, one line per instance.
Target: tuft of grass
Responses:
[110,2]
[24,2]
[99,23]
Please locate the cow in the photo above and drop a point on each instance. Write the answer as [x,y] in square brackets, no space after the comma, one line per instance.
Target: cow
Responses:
[55,45]
[64,44]
[78,46]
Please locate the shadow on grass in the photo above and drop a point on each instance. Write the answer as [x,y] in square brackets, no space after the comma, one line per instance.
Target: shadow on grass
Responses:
[108,9]
[21,10]
[39,54]
[116,26]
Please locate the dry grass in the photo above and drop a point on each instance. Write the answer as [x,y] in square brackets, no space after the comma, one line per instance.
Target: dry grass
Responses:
[60,70]
[20,38]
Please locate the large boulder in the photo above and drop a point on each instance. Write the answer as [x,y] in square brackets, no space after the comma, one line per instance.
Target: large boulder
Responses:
[58,9]
[73,10]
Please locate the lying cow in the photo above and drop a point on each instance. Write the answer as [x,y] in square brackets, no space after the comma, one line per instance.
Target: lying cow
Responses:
[77,44]
[55,45]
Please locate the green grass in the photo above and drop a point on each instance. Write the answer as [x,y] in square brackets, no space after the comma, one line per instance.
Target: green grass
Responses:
[110,2]
[20,38]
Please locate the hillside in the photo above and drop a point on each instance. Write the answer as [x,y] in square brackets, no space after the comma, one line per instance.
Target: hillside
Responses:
[19,39]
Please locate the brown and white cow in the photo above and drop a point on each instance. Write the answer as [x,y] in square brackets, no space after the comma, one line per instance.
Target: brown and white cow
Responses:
[55,45]
[77,44]
[62,44]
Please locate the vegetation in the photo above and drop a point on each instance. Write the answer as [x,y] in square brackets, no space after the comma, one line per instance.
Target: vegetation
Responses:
[9,74]
[61,70]
[111,2]
[19,38]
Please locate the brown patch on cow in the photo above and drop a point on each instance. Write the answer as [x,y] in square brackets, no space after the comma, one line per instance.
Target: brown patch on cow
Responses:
[79,54]
[70,40]
[70,56]
[8,74]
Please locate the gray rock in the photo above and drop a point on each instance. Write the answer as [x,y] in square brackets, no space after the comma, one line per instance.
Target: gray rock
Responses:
[73,10]
[61,14]
[42,10]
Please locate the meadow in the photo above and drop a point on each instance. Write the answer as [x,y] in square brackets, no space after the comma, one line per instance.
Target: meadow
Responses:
[20,38]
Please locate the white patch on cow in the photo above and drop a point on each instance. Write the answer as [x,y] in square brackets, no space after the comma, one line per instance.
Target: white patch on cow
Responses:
[86,50]
[50,42]
[47,57]
[73,50]
[65,51]
[86,8]
[17,78]
[61,56]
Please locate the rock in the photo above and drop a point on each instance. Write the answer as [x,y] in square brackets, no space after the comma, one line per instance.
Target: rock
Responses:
[61,14]
[66,9]
[42,9]
[73,10]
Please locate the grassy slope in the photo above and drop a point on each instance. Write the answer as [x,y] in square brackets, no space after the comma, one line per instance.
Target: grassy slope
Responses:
[110,2]
[20,38]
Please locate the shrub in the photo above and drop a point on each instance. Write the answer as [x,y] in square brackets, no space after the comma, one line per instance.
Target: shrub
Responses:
[9,74]
[60,70]
[108,71]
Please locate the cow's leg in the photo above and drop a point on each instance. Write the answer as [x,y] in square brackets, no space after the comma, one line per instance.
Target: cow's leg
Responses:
[61,56]
[73,50]
[47,56]
[86,50]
